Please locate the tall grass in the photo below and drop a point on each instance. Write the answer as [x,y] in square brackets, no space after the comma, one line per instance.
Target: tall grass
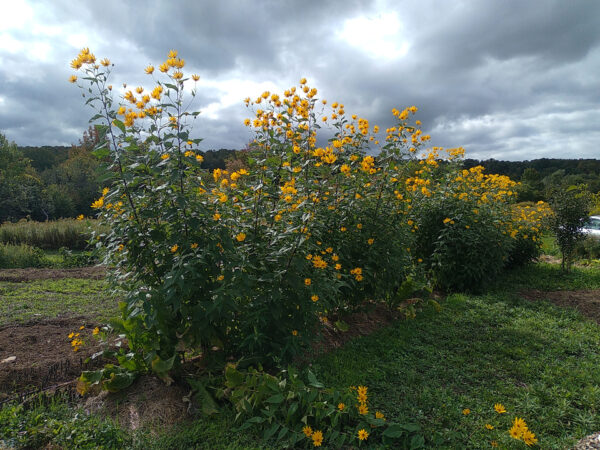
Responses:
[21,256]
[70,233]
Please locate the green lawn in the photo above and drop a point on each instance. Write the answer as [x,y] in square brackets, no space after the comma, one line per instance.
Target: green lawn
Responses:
[43,299]
[540,361]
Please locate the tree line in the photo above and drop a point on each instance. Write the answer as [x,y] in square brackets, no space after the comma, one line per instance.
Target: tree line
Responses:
[52,182]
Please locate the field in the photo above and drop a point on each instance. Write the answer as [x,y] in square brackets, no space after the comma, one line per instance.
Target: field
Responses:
[530,343]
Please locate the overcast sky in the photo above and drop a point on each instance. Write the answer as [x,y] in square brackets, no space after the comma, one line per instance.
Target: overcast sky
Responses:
[505,79]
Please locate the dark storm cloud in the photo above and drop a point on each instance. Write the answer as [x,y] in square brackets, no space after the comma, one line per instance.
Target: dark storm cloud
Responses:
[506,79]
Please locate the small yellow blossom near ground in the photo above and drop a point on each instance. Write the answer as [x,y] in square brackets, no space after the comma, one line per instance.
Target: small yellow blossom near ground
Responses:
[499,407]
[194,245]
[363,434]
[317,438]
[82,327]
[174,248]
[314,298]
[307,281]
[494,444]
[80,217]
[466,411]
[240,237]
[379,415]
[165,156]
[489,426]
[96,331]
[341,406]
[307,431]
[295,332]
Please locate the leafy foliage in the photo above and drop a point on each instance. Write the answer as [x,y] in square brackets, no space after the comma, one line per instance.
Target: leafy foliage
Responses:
[571,208]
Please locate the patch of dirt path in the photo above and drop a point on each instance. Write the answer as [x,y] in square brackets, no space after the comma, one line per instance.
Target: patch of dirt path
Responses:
[24,275]
[587,302]
[38,355]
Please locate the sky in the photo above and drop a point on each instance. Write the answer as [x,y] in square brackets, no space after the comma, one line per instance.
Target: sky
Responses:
[505,79]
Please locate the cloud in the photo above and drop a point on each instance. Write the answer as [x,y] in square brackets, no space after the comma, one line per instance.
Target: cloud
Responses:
[512,79]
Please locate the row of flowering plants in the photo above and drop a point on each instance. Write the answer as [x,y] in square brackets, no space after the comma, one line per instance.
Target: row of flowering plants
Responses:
[250,260]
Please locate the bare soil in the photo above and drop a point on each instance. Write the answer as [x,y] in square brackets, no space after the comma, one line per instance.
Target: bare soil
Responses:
[38,355]
[587,302]
[24,275]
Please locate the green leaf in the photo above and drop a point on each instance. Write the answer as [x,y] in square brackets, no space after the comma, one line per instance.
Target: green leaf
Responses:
[119,381]
[341,325]
[282,433]
[312,380]
[276,399]
[394,431]
[120,125]
[271,431]
[233,377]
[417,441]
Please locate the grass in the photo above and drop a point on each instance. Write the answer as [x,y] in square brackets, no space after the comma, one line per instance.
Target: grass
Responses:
[540,361]
[69,233]
[20,302]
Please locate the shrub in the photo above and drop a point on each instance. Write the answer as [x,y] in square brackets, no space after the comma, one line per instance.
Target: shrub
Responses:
[251,259]
[461,220]
[21,256]
[529,221]
[571,207]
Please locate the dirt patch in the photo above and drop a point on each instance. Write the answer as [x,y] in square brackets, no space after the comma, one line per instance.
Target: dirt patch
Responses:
[587,302]
[36,356]
[148,403]
[24,275]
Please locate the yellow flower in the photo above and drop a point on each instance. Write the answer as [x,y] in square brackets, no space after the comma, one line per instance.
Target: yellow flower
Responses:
[96,331]
[363,434]
[529,438]
[341,406]
[80,217]
[149,70]
[165,156]
[303,80]
[73,78]
[295,332]
[370,241]
[178,75]
[466,411]
[494,444]
[194,245]
[342,229]
[359,226]
[515,433]
[240,237]
[220,277]
[174,248]
[379,415]
[98,203]
[317,438]
[195,77]
[71,335]
[199,158]
[216,216]
[105,62]
[489,426]
[163,67]
[499,407]
[314,298]
[446,220]
[82,327]
[307,281]
[307,431]
[172,54]
[363,409]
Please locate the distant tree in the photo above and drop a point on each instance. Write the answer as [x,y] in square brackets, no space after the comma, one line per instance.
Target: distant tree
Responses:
[20,187]
[571,206]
